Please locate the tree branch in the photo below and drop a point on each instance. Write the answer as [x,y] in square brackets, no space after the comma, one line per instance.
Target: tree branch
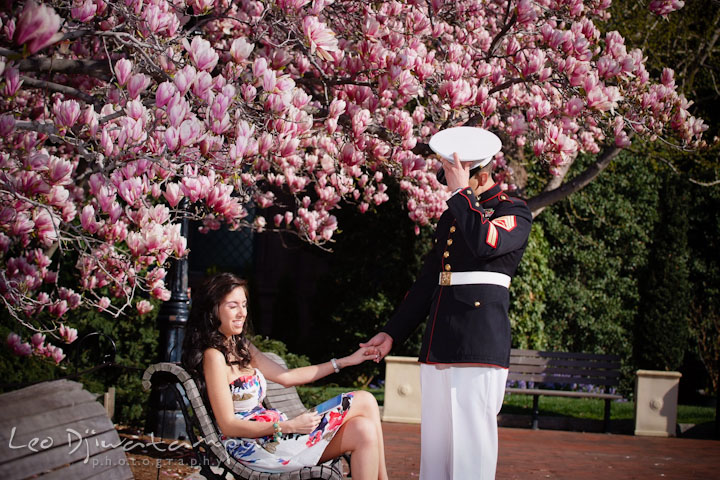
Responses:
[702,55]
[96,68]
[538,203]
[472,121]
[56,87]
[501,33]
[689,179]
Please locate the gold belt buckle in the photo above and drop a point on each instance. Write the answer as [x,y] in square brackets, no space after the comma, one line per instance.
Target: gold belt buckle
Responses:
[445,279]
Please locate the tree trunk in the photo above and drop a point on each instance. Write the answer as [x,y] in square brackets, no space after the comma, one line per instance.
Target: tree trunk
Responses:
[555,191]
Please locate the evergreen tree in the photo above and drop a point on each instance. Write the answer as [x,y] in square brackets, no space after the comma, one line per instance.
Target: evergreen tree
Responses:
[661,333]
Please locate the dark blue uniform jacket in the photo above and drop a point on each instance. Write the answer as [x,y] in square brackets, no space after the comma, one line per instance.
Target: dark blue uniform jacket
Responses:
[467,323]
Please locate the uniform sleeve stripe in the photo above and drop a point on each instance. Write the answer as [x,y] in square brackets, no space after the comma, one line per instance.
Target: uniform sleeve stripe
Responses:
[507,223]
[492,236]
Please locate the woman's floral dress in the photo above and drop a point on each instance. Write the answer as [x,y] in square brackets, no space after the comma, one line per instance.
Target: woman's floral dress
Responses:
[292,451]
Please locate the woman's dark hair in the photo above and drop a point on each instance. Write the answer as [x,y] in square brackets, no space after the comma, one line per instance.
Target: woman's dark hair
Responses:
[202,327]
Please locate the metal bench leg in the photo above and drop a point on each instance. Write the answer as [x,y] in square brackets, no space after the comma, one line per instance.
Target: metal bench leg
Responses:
[606,428]
[536,411]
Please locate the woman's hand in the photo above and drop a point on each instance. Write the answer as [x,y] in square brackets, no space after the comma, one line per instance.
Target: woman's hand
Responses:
[361,354]
[383,342]
[303,423]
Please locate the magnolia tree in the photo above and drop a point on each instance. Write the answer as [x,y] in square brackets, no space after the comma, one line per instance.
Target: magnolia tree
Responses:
[121,116]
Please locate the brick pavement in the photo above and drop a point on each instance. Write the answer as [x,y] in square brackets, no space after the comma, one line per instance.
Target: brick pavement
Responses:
[535,454]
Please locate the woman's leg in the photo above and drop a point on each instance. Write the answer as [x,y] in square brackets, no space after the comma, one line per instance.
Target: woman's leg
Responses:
[356,435]
[365,406]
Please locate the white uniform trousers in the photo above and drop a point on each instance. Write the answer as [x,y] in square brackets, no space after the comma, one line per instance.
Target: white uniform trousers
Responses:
[459,438]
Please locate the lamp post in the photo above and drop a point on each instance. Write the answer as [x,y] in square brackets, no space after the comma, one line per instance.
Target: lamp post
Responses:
[165,417]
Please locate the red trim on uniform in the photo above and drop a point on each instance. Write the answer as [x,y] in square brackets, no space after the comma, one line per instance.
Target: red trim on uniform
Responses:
[506,222]
[466,363]
[432,330]
[499,193]
[470,204]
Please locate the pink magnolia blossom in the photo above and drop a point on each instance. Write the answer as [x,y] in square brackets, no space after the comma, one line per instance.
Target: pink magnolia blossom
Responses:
[84,10]
[123,69]
[38,341]
[67,113]
[143,307]
[240,49]
[664,7]
[321,39]
[18,347]
[12,81]
[68,334]
[7,125]
[137,84]
[201,53]
[37,27]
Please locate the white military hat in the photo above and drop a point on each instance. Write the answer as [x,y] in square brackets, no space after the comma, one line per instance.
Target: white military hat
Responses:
[472,144]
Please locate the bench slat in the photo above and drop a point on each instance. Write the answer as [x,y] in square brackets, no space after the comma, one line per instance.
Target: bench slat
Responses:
[563,393]
[41,422]
[552,354]
[59,455]
[557,362]
[566,371]
[65,434]
[538,378]
[12,409]
[110,465]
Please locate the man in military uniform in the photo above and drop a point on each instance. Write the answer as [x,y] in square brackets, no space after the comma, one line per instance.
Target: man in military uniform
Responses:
[463,291]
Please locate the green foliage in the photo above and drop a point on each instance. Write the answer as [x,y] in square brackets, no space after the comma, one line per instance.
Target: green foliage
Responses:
[594,409]
[135,340]
[527,293]
[662,328]
[266,344]
[703,223]
[598,241]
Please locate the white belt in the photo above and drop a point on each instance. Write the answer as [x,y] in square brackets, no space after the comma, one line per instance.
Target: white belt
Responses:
[470,278]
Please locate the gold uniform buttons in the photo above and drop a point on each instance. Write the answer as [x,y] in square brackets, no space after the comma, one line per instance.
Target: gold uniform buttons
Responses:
[477,304]
[446,254]
[449,242]
[452,229]
[477,204]
[469,191]
[503,197]
[447,267]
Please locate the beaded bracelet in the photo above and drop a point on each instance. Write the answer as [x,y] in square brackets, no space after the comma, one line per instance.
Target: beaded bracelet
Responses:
[278,431]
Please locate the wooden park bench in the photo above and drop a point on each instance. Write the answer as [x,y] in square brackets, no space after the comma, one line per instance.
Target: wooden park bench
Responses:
[57,430]
[564,374]
[205,435]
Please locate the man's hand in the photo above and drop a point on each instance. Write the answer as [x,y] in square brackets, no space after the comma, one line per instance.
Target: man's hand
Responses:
[383,342]
[457,173]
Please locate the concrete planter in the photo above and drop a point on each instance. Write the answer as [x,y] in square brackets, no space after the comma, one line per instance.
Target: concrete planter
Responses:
[656,395]
[402,390]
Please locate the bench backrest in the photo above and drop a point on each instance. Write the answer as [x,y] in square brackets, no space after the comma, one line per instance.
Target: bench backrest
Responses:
[69,430]
[285,399]
[209,432]
[564,368]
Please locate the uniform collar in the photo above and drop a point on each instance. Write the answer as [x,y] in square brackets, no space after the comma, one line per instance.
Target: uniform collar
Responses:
[491,193]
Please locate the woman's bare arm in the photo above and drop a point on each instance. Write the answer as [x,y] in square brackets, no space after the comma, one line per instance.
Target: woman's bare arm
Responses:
[302,375]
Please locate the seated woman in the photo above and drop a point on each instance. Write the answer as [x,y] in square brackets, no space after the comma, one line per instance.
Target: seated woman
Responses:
[232,372]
